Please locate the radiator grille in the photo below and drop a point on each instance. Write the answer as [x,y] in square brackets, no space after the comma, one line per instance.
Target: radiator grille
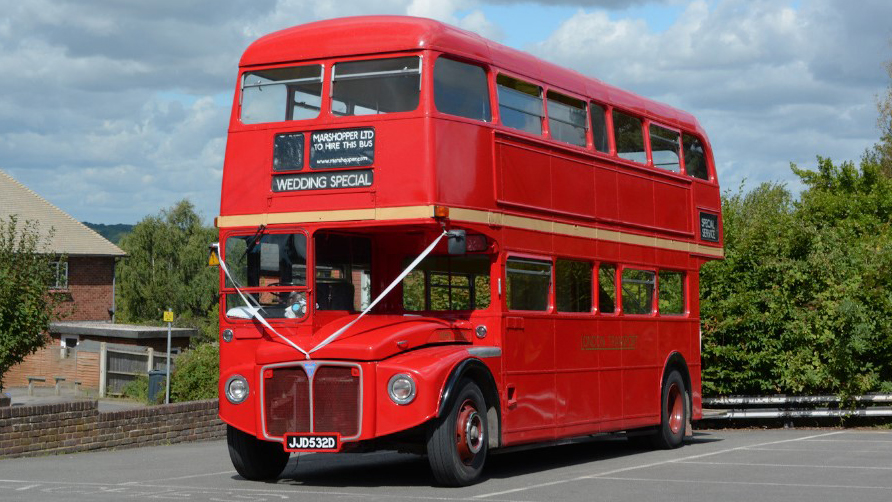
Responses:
[336,400]
[287,396]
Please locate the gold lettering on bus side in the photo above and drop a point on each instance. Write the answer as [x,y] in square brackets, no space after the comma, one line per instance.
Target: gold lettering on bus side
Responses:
[609,342]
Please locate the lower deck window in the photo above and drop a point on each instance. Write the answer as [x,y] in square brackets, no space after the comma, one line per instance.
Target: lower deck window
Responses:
[638,291]
[671,293]
[443,283]
[528,284]
[573,286]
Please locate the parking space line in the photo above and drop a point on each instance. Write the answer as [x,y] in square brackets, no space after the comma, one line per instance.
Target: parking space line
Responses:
[814,450]
[749,483]
[748,464]
[645,466]
[849,441]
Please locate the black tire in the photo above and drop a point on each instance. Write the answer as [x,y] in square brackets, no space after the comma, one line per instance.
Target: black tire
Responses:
[673,413]
[457,442]
[253,458]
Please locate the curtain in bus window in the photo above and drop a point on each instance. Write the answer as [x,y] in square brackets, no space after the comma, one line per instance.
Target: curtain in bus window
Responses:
[278,94]
[573,286]
[664,146]
[566,119]
[638,291]
[629,137]
[461,89]
[599,127]
[671,300]
[376,86]
[520,104]
[694,157]
[528,284]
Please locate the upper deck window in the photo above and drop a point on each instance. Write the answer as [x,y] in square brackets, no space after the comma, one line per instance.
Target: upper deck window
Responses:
[566,119]
[461,89]
[279,94]
[376,86]
[664,146]
[599,127]
[694,157]
[520,104]
[629,137]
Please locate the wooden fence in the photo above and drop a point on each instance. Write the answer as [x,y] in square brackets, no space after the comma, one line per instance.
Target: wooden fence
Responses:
[119,366]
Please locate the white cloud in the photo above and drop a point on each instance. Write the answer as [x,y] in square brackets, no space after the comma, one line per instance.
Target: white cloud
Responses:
[114,110]
[771,84]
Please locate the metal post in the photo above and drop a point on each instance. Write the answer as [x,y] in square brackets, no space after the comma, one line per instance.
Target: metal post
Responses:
[103,368]
[167,392]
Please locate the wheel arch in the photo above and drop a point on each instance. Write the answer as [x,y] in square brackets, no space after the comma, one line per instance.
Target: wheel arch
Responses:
[480,374]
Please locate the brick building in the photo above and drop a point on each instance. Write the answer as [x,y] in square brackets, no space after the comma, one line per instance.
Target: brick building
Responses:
[85,278]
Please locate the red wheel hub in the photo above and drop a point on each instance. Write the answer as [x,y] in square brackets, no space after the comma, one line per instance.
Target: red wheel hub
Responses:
[675,409]
[469,434]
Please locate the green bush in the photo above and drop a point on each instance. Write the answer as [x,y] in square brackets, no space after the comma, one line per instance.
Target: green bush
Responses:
[137,389]
[196,374]
[801,302]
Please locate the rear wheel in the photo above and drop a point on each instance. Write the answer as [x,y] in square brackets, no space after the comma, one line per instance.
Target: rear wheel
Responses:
[253,458]
[457,443]
[673,413]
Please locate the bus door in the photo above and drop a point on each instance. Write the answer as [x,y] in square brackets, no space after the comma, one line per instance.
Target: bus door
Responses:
[529,351]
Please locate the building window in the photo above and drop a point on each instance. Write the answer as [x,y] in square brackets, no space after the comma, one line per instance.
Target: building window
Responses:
[60,275]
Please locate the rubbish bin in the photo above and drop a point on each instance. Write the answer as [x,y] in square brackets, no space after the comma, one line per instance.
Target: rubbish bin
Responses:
[157,384]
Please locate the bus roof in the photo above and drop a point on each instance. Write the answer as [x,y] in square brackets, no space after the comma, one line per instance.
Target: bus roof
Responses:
[352,36]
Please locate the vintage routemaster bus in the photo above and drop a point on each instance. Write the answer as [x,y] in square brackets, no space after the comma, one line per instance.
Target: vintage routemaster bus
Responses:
[435,243]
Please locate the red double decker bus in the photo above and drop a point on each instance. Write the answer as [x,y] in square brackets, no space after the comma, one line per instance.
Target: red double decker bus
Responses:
[435,243]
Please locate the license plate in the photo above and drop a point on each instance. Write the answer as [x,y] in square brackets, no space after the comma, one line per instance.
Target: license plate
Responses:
[312,442]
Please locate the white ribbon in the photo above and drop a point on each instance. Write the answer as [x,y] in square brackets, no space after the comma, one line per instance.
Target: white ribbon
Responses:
[393,284]
[255,311]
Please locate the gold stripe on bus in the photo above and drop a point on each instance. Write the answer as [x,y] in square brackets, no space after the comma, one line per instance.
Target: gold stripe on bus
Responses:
[471,216]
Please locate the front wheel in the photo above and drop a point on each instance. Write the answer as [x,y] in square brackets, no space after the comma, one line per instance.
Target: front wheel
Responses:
[673,413]
[457,442]
[253,458]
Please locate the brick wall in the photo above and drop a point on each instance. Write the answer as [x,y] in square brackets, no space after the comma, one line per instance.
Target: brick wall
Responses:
[72,427]
[90,292]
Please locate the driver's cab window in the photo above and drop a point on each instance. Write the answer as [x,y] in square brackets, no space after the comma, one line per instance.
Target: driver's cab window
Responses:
[343,272]
[271,269]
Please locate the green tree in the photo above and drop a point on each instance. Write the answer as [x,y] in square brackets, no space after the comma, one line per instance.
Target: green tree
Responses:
[26,306]
[167,267]
[801,302]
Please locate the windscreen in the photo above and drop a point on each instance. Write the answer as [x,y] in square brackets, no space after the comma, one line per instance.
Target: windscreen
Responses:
[259,263]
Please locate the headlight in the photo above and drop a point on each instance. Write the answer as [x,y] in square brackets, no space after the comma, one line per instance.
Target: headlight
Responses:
[401,388]
[236,389]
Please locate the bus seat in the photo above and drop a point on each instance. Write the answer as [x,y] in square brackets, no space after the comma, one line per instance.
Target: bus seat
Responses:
[334,295]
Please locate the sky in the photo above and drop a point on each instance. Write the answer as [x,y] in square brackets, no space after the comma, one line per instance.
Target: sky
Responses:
[116,109]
